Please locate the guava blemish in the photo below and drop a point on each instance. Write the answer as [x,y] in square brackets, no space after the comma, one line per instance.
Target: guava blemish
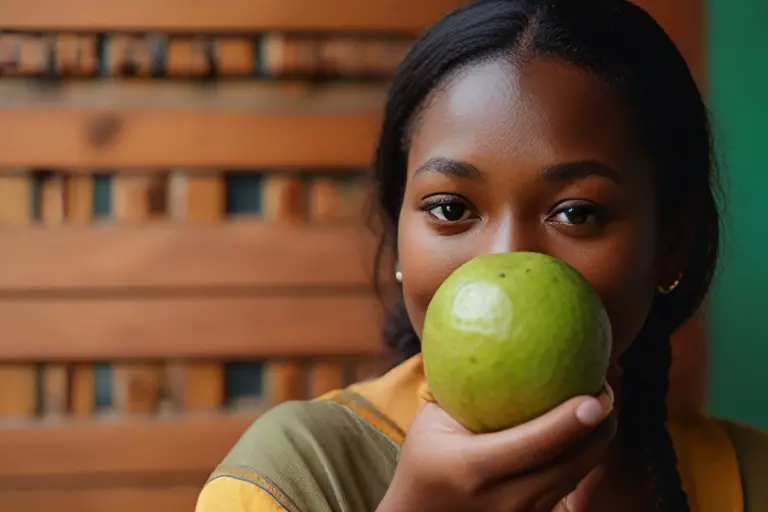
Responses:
[472,359]
[527,271]
[502,275]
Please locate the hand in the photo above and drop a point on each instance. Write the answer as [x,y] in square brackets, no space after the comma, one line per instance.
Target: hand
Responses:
[530,468]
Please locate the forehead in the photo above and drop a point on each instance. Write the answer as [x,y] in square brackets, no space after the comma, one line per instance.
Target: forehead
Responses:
[539,114]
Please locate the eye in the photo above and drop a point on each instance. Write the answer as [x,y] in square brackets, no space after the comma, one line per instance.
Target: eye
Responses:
[576,214]
[448,208]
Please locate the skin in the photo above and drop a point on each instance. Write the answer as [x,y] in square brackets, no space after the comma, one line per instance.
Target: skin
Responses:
[540,158]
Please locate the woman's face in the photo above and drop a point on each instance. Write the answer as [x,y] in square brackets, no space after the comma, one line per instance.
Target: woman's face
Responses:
[540,158]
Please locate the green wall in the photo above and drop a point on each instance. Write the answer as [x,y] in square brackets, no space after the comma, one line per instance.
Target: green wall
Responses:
[738,48]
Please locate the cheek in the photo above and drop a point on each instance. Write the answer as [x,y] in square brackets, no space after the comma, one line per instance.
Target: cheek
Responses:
[426,260]
[624,277]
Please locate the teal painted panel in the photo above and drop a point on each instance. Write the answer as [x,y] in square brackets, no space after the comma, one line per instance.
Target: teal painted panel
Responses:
[244,191]
[738,40]
[243,380]
[102,196]
[102,209]
[103,378]
[36,191]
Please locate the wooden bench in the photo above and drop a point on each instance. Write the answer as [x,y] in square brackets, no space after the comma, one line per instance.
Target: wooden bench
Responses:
[181,195]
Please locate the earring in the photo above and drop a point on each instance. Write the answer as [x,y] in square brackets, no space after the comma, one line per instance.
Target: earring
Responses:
[398,274]
[670,288]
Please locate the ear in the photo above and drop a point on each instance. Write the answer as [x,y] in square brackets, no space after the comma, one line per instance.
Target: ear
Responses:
[676,244]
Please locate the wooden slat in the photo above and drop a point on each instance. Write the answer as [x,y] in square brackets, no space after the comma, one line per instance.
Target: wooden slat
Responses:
[129,499]
[197,198]
[80,198]
[82,399]
[368,369]
[79,210]
[55,383]
[284,381]
[135,386]
[66,137]
[55,389]
[18,383]
[147,328]
[185,58]
[235,56]
[197,385]
[18,397]
[325,376]
[324,207]
[240,254]
[223,15]
[227,95]
[15,198]
[284,205]
[138,445]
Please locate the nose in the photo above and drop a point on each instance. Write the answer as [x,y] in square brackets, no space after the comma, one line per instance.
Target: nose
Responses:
[509,236]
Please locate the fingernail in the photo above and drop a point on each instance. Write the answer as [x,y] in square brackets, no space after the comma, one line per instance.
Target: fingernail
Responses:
[608,392]
[590,413]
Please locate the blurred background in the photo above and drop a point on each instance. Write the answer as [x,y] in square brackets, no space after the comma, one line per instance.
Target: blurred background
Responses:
[182,188]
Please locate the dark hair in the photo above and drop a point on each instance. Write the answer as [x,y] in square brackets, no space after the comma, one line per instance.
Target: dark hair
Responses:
[623,46]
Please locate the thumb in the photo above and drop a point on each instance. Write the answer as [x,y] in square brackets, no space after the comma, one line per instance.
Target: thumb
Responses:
[436,415]
[439,420]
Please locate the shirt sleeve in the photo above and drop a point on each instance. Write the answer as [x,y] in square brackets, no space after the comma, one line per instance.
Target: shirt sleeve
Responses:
[752,451]
[300,456]
[229,494]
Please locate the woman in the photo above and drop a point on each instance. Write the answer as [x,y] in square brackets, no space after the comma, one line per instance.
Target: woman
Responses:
[571,128]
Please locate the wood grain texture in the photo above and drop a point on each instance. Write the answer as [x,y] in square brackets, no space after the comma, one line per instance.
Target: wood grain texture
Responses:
[82,399]
[284,206]
[18,382]
[224,15]
[136,386]
[325,206]
[190,327]
[236,254]
[196,442]
[55,390]
[122,499]
[198,198]
[98,138]
[79,210]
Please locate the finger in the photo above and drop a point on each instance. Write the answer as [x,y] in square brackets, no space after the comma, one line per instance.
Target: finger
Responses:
[553,486]
[540,440]
[574,475]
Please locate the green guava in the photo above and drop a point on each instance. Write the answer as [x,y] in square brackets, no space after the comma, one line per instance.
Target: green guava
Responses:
[509,336]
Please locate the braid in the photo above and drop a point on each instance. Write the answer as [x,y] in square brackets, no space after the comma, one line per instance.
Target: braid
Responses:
[399,334]
[645,382]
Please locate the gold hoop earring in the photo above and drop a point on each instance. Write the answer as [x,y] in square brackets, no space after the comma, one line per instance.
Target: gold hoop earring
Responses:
[670,288]
[398,274]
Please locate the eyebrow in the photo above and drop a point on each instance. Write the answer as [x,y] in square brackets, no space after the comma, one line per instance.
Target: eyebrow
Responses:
[575,171]
[450,167]
[564,172]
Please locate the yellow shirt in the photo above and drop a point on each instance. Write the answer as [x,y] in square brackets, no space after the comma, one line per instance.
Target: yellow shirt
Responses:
[707,459]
